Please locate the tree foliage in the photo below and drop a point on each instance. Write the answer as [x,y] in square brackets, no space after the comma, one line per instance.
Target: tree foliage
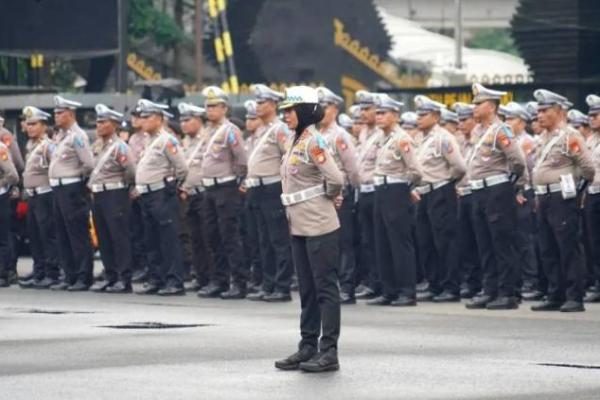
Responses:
[145,20]
[494,39]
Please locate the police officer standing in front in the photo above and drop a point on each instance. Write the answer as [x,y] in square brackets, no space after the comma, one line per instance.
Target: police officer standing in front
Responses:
[517,118]
[159,172]
[248,224]
[223,166]
[311,183]
[396,171]
[469,264]
[8,178]
[264,197]
[109,182]
[592,203]
[370,139]
[137,142]
[70,166]
[494,166]
[437,223]
[40,221]
[190,117]
[344,154]
[561,172]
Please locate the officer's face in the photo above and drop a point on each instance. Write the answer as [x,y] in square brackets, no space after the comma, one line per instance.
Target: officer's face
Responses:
[190,126]
[105,128]
[290,118]
[216,112]
[252,124]
[265,108]
[357,128]
[64,118]
[466,125]
[535,127]
[483,109]
[585,131]
[549,117]
[426,121]
[367,114]
[517,125]
[450,127]
[124,135]
[35,129]
[152,123]
[136,122]
[386,119]
[331,113]
[594,120]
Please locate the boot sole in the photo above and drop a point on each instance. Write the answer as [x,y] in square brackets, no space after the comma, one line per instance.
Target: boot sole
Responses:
[332,367]
[287,367]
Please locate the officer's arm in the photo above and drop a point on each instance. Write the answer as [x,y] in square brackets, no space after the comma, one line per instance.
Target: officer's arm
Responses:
[508,144]
[175,156]
[283,136]
[348,157]
[334,179]
[49,150]
[125,159]
[235,142]
[528,148]
[451,152]
[581,156]
[10,175]
[14,150]
[81,144]
[405,148]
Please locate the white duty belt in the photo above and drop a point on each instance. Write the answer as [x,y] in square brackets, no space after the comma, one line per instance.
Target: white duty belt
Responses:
[593,189]
[4,189]
[103,187]
[430,187]
[288,199]
[255,182]
[478,184]
[152,187]
[547,189]
[379,180]
[196,190]
[209,182]
[38,190]
[54,182]
[463,191]
[368,188]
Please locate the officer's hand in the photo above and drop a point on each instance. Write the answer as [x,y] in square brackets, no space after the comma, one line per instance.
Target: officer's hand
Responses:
[183,195]
[15,193]
[415,197]
[338,201]
[521,199]
[582,200]
[242,188]
[134,194]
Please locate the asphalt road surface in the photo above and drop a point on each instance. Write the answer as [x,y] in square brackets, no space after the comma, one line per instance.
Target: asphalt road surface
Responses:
[75,346]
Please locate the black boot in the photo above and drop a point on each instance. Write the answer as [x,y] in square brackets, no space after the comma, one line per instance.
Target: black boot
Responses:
[293,362]
[322,362]
[234,293]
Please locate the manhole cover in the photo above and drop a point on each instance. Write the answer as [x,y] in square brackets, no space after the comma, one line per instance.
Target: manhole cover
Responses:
[561,365]
[53,312]
[153,325]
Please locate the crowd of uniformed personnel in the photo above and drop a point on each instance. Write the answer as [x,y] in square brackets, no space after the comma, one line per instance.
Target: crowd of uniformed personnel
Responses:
[487,202]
